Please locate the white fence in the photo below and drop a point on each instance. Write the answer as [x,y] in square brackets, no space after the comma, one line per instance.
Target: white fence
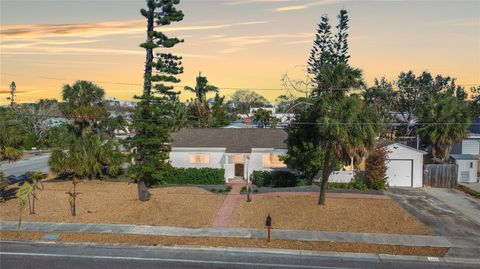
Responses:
[341,176]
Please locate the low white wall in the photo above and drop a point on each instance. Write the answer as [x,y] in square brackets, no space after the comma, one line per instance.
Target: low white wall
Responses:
[341,176]
[256,159]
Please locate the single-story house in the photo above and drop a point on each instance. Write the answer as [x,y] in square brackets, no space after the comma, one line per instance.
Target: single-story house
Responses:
[470,145]
[238,151]
[467,167]
[404,166]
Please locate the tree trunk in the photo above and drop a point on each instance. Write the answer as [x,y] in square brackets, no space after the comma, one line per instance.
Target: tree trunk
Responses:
[327,169]
[143,194]
[29,205]
[33,204]
[147,83]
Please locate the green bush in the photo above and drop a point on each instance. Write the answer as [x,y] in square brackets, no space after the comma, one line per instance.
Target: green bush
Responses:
[196,176]
[244,190]
[355,184]
[276,179]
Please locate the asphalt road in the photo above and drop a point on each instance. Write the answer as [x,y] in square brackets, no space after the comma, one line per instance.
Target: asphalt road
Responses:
[32,164]
[72,256]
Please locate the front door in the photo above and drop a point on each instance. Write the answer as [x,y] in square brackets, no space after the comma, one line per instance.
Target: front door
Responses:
[239,170]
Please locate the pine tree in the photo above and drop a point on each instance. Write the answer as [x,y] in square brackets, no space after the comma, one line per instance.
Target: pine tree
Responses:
[154,117]
[341,45]
[13,89]
[321,46]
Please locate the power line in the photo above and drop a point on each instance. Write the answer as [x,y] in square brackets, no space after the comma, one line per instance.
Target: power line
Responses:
[183,86]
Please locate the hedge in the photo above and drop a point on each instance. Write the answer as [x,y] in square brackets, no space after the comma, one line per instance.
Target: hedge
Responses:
[274,179]
[197,176]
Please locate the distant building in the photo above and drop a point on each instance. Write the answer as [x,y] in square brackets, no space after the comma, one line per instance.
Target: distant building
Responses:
[112,101]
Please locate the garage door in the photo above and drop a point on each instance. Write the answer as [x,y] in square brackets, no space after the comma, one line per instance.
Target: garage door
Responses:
[399,173]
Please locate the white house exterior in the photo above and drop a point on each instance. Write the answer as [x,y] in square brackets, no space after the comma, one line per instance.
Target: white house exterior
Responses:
[467,167]
[238,151]
[404,166]
[470,145]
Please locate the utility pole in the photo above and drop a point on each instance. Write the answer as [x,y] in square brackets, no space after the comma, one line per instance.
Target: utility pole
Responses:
[13,88]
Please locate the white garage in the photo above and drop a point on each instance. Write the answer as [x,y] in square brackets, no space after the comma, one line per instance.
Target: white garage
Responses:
[404,166]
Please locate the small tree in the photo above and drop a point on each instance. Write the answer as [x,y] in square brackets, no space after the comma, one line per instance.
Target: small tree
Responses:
[13,89]
[376,168]
[37,184]
[23,194]
[3,186]
[263,118]
[475,102]
[72,196]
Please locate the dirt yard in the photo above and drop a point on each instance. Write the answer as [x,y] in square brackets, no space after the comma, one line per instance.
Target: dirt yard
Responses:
[117,203]
[155,240]
[338,215]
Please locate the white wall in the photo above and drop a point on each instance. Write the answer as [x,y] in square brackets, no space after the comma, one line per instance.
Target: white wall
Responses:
[256,159]
[471,146]
[179,157]
[401,152]
[341,176]
[464,166]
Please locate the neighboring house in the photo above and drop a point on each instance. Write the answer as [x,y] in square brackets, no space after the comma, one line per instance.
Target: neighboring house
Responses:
[404,166]
[238,124]
[54,122]
[238,151]
[469,145]
[467,167]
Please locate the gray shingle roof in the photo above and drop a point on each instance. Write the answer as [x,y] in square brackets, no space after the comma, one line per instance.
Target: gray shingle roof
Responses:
[235,140]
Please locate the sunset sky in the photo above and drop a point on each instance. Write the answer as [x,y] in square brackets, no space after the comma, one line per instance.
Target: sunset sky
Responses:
[245,44]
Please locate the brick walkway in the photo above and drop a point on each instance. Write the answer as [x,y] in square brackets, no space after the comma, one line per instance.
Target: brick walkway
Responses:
[223,216]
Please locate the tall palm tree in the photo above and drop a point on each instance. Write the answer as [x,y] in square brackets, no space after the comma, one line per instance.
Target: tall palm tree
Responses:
[201,88]
[88,154]
[443,121]
[202,113]
[83,103]
[347,127]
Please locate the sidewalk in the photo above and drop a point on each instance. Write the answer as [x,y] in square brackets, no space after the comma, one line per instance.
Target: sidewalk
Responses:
[293,235]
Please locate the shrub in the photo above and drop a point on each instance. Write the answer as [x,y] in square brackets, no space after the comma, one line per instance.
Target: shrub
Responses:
[244,190]
[274,179]
[355,184]
[376,169]
[197,176]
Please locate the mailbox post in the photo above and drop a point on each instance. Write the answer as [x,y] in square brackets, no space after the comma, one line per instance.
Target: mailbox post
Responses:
[268,223]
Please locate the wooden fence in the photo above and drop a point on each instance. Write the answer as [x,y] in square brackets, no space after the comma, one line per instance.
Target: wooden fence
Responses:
[440,175]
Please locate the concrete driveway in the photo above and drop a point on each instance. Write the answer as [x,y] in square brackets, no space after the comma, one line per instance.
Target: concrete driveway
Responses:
[447,213]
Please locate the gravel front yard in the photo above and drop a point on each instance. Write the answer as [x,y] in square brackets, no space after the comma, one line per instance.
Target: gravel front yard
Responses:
[338,215]
[117,203]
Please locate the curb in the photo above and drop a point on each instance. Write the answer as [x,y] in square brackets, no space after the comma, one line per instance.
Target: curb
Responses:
[294,235]
[343,255]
